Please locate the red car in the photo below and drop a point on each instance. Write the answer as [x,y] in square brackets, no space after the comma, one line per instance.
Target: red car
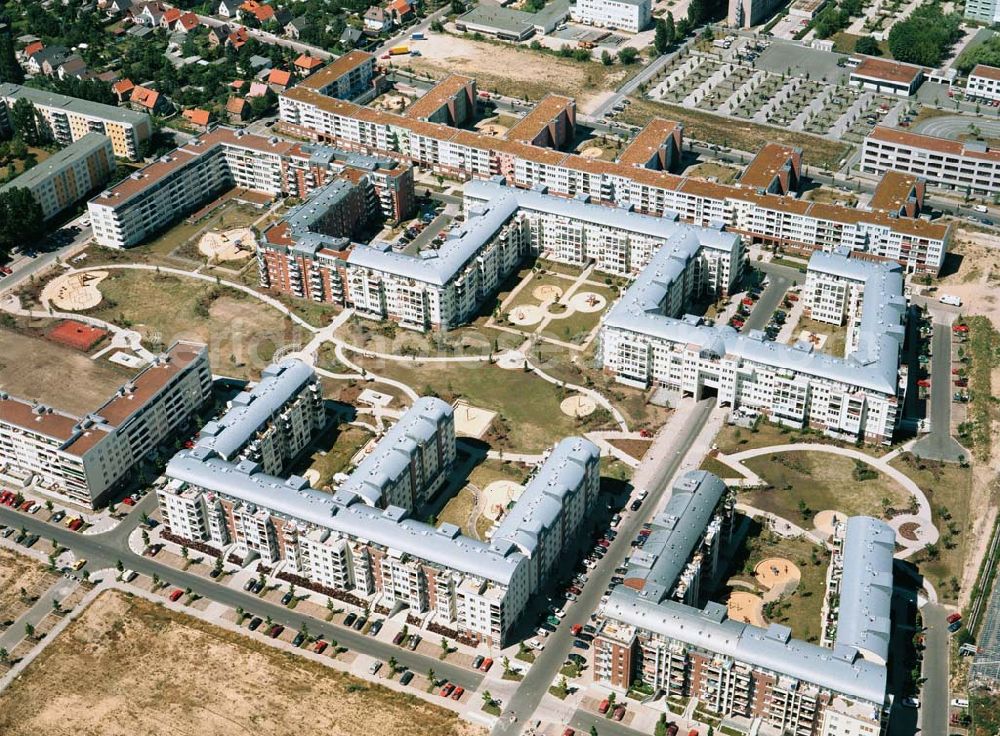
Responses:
[619,712]
[569,732]
[575,629]
[954,617]
[320,647]
[485,666]
[459,692]
[603,707]
[175,596]
[447,690]
[128,502]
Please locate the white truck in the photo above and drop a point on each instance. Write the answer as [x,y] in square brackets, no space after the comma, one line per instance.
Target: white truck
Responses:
[951,299]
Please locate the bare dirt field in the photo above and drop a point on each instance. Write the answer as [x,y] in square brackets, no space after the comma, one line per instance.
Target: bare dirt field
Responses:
[128,666]
[512,70]
[34,368]
[978,274]
[18,572]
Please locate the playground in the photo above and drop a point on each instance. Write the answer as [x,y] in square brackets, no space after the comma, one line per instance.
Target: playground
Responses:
[234,244]
[74,292]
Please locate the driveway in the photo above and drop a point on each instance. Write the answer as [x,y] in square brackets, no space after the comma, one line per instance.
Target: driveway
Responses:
[782,278]
[938,444]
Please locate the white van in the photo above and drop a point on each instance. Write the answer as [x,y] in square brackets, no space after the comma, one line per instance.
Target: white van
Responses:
[950,299]
[981,208]
[129,575]
[959,703]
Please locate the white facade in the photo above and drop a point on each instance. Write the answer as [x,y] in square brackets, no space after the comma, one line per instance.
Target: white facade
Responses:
[85,458]
[646,340]
[983,83]
[624,15]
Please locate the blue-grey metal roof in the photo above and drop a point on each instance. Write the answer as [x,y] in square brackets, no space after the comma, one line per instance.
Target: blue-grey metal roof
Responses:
[874,365]
[866,586]
[345,513]
[57,162]
[11,91]
[392,456]
[675,531]
[251,410]
[540,506]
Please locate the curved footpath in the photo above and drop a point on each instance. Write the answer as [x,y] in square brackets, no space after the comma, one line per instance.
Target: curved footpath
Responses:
[927,532]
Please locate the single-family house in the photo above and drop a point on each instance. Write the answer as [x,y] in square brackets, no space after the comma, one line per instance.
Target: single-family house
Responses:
[197,117]
[74,66]
[294,27]
[351,37]
[186,23]
[170,16]
[306,65]
[227,8]
[376,20]
[148,100]
[238,38]
[30,50]
[279,79]
[257,89]
[400,11]
[123,90]
[238,110]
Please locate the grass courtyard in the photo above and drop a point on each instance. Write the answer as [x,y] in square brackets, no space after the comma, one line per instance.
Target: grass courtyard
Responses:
[242,333]
[128,666]
[804,483]
[333,453]
[836,335]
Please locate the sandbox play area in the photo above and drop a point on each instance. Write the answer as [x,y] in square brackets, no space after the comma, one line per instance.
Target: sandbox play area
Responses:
[228,245]
[74,292]
[495,497]
[747,607]
[578,406]
[777,574]
[471,421]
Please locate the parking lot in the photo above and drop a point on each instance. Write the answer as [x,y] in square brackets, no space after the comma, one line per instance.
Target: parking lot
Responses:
[774,84]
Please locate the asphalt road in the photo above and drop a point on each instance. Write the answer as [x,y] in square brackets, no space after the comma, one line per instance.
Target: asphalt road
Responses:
[953,126]
[104,550]
[782,279]
[24,267]
[938,444]
[934,698]
[558,645]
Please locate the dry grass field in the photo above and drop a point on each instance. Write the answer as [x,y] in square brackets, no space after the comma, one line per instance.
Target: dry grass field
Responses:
[31,367]
[16,572]
[130,667]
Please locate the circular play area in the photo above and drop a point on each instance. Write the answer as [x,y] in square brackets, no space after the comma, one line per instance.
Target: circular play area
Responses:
[511,360]
[526,314]
[228,245]
[74,292]
[592,152]
[777,574]
[578,406]
[547,293]
[495,497]
[493,129]
[826,522]
[588,302]
[747,608]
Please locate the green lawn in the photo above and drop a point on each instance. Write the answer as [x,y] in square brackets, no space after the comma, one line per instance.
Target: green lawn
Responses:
[732,439]
[948,488]
[529,418]
[242,334]
[332,458]
[836,335]
[821,481]
[459,511]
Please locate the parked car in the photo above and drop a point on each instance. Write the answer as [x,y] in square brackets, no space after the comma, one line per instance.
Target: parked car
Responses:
[911,702]
[375,628]
[175,596]
[276,631]
[376,666]
[603,707]
[487,663]
[459,692]
[398,638]
[414,641]
[360,623]
[255,623]
[286,598]
[248,585]
[350,619]
[405,679]
[478,661]
[954,617]
[299,638]
[619,712]
[580,644]
[320,647]
[447,690]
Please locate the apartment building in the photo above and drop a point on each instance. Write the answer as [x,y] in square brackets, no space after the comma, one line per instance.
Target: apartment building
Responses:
[623,15]
[69,175]
[412,461]
[346,78]
[886,77]
[270,423]
[653,628]
[195,173]
[86,458]
[69,119]
[985,11]
[374,549]
[640,178]
[648,340]
[983,84]
[970,166]
[749,13]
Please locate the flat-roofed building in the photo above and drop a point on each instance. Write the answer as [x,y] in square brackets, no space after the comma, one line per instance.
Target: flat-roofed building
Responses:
[345,78]
[623,15]
[69,175]
[776,169]
[887,77]
[983,84]
[899,194]
[969,167]
[69,119]
[749,13]
[86,458]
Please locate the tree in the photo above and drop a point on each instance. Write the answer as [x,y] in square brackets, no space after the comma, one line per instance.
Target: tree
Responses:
[184,553]
[24,119]
[393,665]
[29,631]
[697,11]
[145,538]
[867,45]
[487,697]
[4,655]
[628,55]
[49,506]
[10,70]
[660,40]
[593,731]
[21,219]
[606,58]
[457,7]
[670,29]
[431,677]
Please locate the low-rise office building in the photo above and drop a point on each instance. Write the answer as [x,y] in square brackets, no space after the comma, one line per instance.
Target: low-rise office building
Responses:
[640,178]
[648,340]
[195,173]
[624,15]
[355,539]
[69,175]
[983,84]
[887,77]
[86,458]
[964,166]
[69,119]
[749,13]
[653,628]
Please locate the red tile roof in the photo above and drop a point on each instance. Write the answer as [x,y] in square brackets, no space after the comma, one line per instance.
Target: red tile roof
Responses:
[123,87]
[981,70]
[145,97]
[280,77]
[889,71]
[236,106]
[188,21]
[196,116]
[33,48]
[308,63]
